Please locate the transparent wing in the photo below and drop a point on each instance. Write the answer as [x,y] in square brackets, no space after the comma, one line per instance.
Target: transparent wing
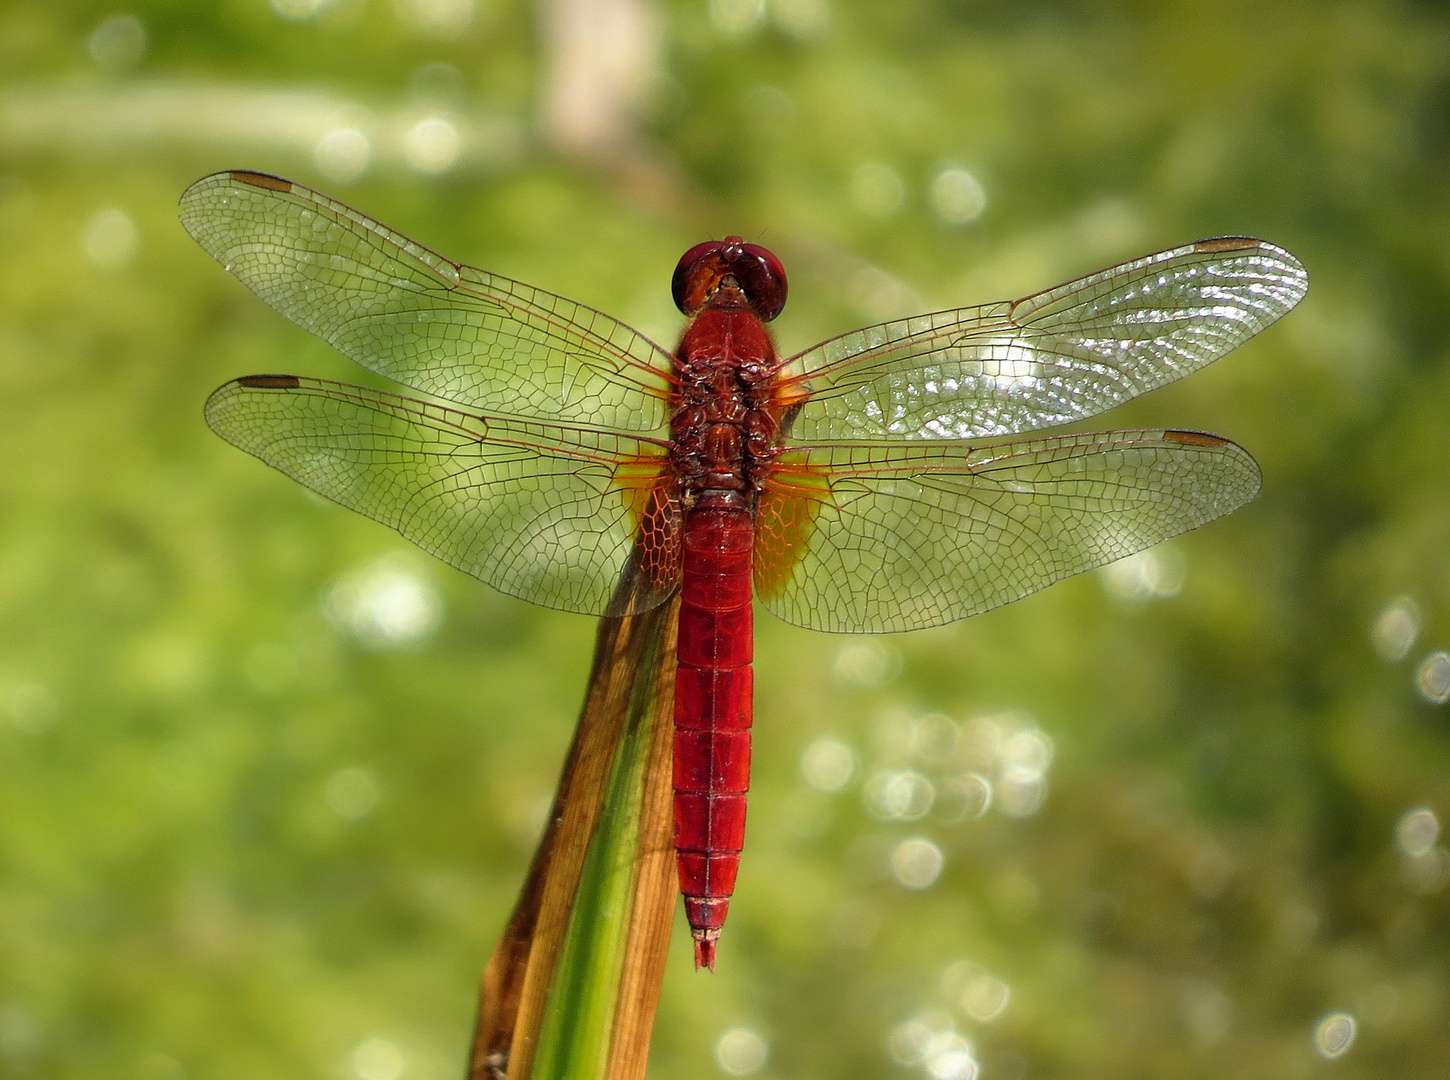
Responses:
[473,338]
[1061,355]
[539,511]
[875,538]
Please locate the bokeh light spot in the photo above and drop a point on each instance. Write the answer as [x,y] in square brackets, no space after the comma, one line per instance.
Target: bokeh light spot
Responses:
[378,1059]
[901,795]
[1428,873]
[1432,678]
[867,664]
[435,18]
[878,295]
[1396,628]
[1028,750]
[1206,1011]
[956,196]
[1154,574]
[431,146]
[950,1058]
[962,798]
[1020,792]
[911,1040]
[916,863]
[117,44]
[299,10]
[1417,831]
[353,792]
[934,738]
[1008,757]
[877,190]
[20,1034]
[384,604]
[1021,786]
[526,816]
[33,709]
[930,1040]
[736,17]
[981,741]
[1335,1034]
[802,19]
[111,240]
[770,109]
[986,998]
[976,991]
[343,155]
[437,81]
[828,764]
[740,1052]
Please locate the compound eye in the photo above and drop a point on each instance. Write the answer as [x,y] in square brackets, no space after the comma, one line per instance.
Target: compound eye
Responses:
[754,270]
[689,285]
[763,278]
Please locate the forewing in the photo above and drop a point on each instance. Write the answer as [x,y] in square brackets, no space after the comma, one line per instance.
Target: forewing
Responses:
[877,539]
[470,337]
[539,511]
[1059,356]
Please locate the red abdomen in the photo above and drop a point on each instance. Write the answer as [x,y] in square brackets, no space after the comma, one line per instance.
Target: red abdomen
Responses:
[712,716]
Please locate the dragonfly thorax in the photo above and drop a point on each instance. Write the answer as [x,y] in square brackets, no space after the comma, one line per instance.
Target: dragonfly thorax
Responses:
[722,431]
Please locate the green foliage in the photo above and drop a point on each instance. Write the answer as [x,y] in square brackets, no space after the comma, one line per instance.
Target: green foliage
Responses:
[246,832]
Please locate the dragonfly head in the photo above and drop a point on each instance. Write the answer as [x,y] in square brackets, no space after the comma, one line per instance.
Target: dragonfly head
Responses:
[749,268]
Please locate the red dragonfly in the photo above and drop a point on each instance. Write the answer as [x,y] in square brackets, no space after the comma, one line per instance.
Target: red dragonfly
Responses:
[862,485]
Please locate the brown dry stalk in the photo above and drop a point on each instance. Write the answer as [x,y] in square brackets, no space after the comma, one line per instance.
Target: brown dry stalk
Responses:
[634,660]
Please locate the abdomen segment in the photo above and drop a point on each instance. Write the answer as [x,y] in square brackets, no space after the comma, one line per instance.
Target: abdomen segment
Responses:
[713,688]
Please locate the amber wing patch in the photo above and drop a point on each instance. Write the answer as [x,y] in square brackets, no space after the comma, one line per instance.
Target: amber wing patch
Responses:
[651,495]
[789,503]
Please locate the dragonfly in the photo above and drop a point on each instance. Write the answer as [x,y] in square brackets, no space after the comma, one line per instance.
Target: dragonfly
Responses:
[869,484]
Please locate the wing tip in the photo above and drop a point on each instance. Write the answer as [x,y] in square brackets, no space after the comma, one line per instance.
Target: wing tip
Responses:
[1195,438]
[1215,442]
[1221,244]
[268,382]
[249,177]
[225,396]
[260,179]
[1292,277]
[1233,245]
[1203,439]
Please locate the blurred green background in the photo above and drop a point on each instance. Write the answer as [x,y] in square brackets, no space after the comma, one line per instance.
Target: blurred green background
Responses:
[269,780]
